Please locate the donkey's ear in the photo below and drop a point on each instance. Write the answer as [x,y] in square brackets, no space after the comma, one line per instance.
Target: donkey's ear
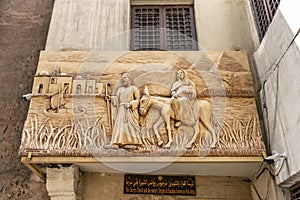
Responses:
[146,91]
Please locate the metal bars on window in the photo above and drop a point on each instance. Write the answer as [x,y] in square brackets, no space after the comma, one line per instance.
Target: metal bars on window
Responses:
[147,23]
[264,11]
[178,29]
[163,28]
[295,192]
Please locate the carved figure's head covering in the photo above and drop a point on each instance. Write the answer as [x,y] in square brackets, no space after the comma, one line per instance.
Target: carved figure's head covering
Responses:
[181,71]
[129,78]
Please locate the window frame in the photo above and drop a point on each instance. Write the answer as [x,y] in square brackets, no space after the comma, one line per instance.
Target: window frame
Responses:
[264,12]
[162,26]
[295,191]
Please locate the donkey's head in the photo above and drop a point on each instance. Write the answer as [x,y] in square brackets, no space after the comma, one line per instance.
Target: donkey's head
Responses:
[145,102]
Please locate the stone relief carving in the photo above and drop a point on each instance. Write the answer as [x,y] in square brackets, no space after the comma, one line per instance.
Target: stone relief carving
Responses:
[126,130]
[129,118]
[189,113]
[80,113]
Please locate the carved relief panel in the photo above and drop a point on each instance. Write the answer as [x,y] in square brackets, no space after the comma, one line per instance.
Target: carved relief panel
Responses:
[149,103]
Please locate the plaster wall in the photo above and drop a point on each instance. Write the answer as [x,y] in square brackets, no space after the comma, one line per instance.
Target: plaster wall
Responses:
[253,26]
[223,25]
[264,187]
[277,61]
[86,25]
[105,24]
[110,186]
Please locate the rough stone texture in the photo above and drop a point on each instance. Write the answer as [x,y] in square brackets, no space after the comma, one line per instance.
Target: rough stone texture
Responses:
[110,186]
[23,30]
[277,61]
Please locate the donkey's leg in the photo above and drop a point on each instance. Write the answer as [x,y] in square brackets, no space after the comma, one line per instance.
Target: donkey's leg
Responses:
[214,137]
[145,139]
[155,129]
[168,126]
[205,118]
[196,134]
[206,123]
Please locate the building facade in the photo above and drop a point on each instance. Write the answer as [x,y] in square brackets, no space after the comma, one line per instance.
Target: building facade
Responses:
[276,58]
[73,129]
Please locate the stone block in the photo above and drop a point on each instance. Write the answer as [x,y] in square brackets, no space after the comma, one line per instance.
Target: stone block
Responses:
[62,183]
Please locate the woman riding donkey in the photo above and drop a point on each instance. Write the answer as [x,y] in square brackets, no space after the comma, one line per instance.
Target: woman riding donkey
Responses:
[184,101]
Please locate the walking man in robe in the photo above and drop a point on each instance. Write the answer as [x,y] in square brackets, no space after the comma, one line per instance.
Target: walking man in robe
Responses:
[126,130]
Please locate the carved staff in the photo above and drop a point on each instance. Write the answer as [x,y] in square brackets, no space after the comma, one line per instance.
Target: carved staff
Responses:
[107,99]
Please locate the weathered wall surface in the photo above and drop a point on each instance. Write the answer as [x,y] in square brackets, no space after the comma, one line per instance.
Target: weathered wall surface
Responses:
[84,25]
[79,25]
[110,186]
[264,187]
[277,61]
[23,31]
[222,25]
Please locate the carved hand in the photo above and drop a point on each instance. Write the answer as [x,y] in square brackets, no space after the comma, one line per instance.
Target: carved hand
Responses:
[193,94]
[114,100]
[174,94]
[107,97]
[128,105]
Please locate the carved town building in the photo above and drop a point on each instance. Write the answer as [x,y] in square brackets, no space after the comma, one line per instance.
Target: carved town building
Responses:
[136,99]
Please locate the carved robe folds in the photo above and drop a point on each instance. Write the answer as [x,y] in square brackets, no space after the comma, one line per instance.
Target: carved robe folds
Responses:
[126,129]
[186,96]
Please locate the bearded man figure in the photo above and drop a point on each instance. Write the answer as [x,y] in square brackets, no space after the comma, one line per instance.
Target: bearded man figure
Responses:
[126,130]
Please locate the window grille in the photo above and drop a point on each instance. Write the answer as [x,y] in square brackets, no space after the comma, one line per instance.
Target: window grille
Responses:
[295,192]
[163,28]
[264,11]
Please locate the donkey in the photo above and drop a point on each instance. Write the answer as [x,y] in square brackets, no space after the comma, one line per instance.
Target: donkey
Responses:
[167,113]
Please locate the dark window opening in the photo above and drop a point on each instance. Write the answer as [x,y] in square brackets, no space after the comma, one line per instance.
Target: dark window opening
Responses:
[163,28]
[66,88]
[53,80]
[78,89]
[41,86]
[90,90]
[264,11]
[295,191]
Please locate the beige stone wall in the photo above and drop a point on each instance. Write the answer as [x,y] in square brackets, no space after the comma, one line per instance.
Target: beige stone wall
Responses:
[264,187]
[105,24]
[84,25]
[223,24]
[110,186]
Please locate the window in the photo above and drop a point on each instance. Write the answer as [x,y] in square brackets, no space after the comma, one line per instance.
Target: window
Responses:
[163,28]
[295,192]
[264,11]
[78,89]
[66,87]
[41,86]
[90,90]
[53,80]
